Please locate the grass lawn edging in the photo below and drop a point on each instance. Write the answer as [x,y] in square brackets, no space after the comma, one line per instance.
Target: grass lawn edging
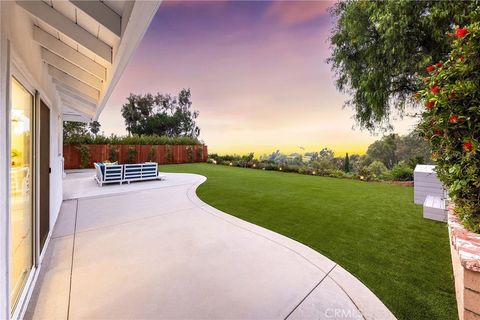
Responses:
[465,251]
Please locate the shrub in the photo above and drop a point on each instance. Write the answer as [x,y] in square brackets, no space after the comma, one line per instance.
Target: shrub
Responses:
[338,174]
[365,174]
[131,140]
[269,166]
[305,170]
[323,167]
[84,155]
[189,153]
[168,154]
[152,154]
[360,162]
[401,172]
[451,122]
[377,168]
[131,154]
[112,153]
[199,154]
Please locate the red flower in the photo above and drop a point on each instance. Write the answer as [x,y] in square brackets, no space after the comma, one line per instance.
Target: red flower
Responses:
[453,119]
[461,32]
[462,58]
[439,133]
[430,68]
[451,95]
[430,104]
[438,65]
[468,146]
[435,89]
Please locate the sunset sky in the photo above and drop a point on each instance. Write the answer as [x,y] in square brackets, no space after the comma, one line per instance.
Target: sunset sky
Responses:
[258,75]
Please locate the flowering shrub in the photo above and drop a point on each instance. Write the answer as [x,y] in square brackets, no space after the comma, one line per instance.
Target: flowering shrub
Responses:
[451,122]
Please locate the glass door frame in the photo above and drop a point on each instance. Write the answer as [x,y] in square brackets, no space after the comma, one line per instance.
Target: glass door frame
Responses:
[17,307]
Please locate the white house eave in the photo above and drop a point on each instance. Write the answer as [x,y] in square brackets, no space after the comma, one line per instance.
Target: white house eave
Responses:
[85,65]
[55,19]
[139,19]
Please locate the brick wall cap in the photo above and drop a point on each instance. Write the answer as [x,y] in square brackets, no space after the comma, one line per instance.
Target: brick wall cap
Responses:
[466,243]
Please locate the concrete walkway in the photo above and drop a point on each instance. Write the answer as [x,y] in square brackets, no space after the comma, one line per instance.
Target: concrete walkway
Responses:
[153,250]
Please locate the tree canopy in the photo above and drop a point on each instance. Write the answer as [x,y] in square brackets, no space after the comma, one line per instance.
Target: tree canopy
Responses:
[75,129]
[161,114]
[94,127]
[391,149]
[380,48]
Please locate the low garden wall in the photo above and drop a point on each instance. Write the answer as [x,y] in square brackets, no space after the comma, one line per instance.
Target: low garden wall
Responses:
[465,251]
[83,156]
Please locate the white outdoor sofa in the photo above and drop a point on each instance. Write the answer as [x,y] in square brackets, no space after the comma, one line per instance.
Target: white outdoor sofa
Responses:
[140,171]
[115,173]
[108,173]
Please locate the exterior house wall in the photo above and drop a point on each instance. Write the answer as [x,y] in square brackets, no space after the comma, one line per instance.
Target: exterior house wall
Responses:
[26,57]
[21,57]
[56,163]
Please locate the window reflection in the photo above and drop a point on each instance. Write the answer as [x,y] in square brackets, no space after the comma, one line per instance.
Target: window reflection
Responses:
[21,204]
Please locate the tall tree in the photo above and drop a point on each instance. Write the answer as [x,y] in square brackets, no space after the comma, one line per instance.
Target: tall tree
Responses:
[136,108]
[72,128]
[346,164]
[161,114]
[380,48]
[384,150]
[413,149]
[326,154]
[94,127]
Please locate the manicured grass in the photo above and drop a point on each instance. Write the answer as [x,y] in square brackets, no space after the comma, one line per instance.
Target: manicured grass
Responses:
[371,229]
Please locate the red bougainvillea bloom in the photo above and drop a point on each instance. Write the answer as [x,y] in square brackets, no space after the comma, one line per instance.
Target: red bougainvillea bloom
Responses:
[435,89]
[438,65]
[453,119]
[430,104]
[467,145]
[451,95]
[439,133]
[461,32]
[430,68]
[462,58]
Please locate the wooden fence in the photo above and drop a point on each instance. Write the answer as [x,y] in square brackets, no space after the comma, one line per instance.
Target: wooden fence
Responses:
[163,154]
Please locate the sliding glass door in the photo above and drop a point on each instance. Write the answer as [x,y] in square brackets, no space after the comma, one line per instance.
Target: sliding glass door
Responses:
[21,189]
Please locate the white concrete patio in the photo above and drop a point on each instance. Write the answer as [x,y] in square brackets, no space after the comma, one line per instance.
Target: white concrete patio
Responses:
[153,250]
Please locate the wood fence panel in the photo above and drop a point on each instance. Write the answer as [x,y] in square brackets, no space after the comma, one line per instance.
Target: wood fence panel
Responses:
[164,154]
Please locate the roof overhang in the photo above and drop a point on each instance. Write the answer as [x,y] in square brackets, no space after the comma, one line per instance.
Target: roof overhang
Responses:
[87,45]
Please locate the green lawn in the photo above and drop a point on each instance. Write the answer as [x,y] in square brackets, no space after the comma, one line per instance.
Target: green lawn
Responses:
[371,229]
